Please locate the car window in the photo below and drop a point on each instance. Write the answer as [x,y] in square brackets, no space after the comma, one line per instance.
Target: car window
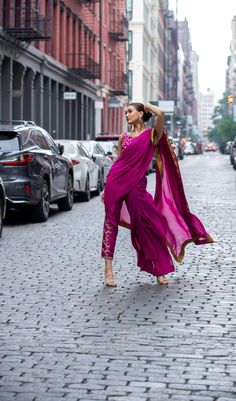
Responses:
[81,151]
[85,151]
[9,142]
[39,139]
[27,138]
[88,146]
[50,142]
[98,150]
[107,146]
[69,148]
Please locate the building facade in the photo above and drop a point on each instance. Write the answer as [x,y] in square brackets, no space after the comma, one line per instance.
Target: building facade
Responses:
[231,71]
[63,64]
[171,70]
[207,104]
[189,101]
[143,50]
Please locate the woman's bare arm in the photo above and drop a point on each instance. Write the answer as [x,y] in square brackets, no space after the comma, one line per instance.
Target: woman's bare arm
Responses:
[119,147]
[159,121]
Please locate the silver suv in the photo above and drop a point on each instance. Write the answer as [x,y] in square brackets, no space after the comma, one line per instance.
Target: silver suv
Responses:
[34,171]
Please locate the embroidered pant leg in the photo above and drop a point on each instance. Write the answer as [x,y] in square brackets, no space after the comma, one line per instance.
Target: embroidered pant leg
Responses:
[110,230]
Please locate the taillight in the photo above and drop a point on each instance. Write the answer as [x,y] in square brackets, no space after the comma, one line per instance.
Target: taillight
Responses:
[27,188]
[111,158]
[74,162]
[23,160]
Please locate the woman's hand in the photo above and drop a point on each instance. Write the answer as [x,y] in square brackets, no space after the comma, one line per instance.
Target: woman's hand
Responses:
[153,109]
[102,196]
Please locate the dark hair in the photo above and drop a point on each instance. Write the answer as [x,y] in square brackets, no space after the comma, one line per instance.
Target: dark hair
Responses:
[140,107]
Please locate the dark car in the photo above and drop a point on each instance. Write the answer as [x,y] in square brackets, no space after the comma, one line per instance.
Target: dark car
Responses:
[34,171]
[2,204]
[233,154]
[178,148]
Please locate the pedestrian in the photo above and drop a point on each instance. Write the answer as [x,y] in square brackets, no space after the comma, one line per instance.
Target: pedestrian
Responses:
[157,225]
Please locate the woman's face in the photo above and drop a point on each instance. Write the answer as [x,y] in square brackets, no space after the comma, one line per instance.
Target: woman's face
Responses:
[132,115]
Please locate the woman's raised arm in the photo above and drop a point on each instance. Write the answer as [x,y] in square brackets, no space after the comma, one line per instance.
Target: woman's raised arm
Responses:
[159,121]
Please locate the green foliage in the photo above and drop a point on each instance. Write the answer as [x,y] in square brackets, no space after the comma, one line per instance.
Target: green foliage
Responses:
[224,127]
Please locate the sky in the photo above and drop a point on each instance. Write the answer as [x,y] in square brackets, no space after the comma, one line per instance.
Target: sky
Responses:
[210,30]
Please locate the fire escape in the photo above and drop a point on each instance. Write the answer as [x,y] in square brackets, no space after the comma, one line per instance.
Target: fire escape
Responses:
[24,22]
[84,63]
[118,32]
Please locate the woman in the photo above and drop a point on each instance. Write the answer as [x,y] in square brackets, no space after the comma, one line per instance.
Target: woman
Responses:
[157,225]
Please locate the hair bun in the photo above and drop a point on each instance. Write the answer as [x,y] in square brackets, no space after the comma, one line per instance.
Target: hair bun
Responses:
[146,116]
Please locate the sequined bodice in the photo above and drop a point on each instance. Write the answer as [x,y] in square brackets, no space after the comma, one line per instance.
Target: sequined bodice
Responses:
[126,140]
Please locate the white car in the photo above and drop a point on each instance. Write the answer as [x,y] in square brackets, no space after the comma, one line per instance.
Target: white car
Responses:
[189,149]
[87,177]
[98,155]
[110,149]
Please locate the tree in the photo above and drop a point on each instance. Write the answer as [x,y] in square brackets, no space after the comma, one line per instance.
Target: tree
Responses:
[224,126]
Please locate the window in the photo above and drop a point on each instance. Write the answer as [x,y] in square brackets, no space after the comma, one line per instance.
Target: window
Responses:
[85,151]
[39,139]
[129,9]
[99,150]
[69,148]
[81,150]
[27,139]
[50,142]
[8,142]
[130,45]
[130,84]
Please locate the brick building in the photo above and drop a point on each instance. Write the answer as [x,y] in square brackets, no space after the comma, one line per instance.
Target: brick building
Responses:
[49,47]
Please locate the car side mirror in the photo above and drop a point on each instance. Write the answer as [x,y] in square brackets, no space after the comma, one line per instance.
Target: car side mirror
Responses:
[60,148]
[93,158]
[109,153]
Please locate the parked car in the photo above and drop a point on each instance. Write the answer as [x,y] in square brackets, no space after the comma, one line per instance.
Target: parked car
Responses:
[97,153]
[210,147]
[178,147]
[34,170]
[110,149]
[189,148]
[233,154]
[87,177]
[2,204]
[228,147]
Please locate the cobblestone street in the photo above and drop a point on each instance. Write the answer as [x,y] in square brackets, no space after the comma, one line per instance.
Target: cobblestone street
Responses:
[64,335]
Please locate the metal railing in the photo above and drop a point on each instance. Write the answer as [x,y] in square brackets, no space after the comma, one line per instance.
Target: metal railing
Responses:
[26,23]
[87,67]
[119,84]
[118,26]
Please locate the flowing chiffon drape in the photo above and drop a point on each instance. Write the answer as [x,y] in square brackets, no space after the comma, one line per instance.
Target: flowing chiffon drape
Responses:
[156,224]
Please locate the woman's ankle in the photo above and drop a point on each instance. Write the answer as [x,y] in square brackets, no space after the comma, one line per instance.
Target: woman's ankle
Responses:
[108,264]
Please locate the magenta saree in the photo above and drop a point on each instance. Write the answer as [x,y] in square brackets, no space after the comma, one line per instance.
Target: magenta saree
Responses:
[156,224]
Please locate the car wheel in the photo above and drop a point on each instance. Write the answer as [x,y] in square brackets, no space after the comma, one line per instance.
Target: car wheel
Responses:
[86,194]
[97,192]
[1,217]
[66,203]
[41,211]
